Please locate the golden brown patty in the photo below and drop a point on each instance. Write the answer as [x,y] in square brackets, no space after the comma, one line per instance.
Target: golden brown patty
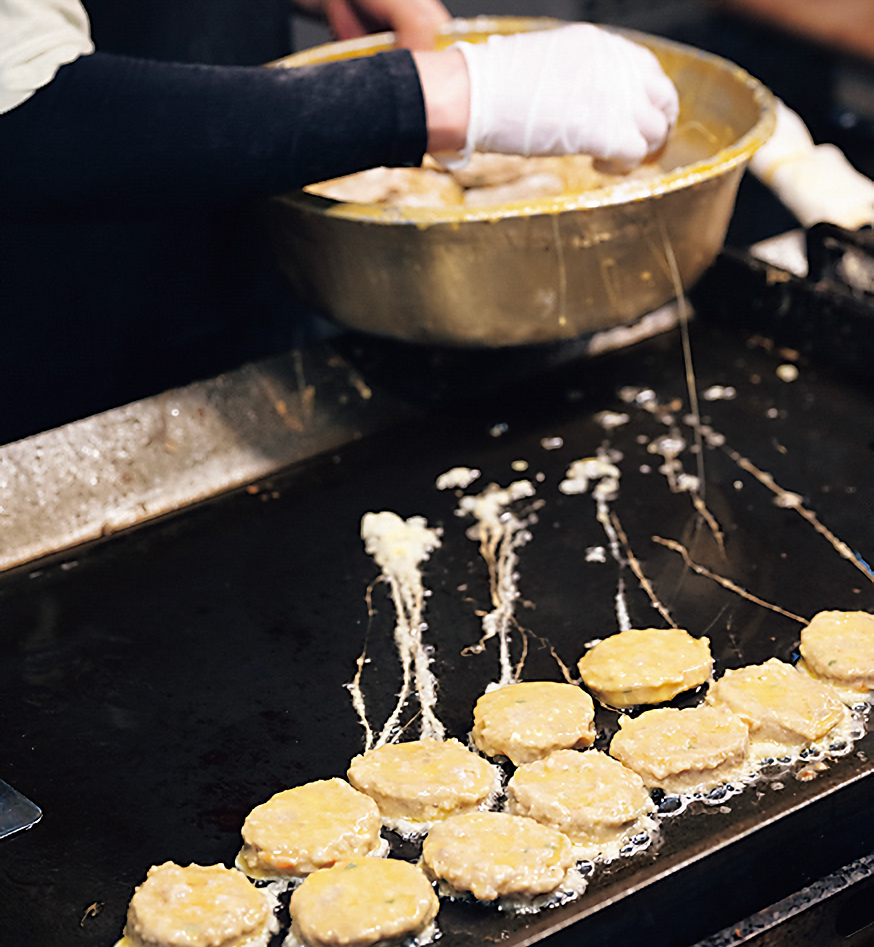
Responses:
[838,647]
[526,722]
[784,709]
[309,827]
[684,750]
[590,797]
[645,666]
[198,906]
[423,781]
[495,854]
[361,903]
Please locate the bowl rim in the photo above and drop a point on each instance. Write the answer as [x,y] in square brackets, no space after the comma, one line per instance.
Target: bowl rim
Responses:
[737,153]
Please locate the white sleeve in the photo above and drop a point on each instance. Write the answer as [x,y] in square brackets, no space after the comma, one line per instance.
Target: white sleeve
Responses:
[36,37]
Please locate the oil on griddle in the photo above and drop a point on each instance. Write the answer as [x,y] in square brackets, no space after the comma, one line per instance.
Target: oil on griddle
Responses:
[650,573]
[180,675]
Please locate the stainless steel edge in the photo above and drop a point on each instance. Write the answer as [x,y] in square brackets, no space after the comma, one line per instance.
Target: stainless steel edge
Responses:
[131,464]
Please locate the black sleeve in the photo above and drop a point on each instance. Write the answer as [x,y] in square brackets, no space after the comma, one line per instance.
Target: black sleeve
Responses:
[112,133]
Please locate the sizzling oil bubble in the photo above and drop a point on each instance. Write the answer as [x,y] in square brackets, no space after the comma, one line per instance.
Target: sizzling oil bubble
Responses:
[572,886]
[712,438]
[668,446]
[611,419]
[637,843]
[582,473]
[688,483]
[788,501]
[642,397]
[719,393]
[458,478]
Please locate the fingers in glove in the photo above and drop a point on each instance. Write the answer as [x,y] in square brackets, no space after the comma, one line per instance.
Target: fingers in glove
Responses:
[576,89]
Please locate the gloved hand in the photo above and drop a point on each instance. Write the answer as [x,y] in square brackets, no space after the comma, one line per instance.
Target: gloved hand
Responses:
[577,89]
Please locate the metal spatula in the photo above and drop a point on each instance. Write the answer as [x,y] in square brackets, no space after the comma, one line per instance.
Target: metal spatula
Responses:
[16,811]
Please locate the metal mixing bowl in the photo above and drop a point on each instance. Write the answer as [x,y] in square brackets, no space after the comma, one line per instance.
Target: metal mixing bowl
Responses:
[539,270]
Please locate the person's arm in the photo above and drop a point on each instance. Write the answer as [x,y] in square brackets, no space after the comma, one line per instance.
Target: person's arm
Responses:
[117,133]
[415,22]
[111,134]
[446,91]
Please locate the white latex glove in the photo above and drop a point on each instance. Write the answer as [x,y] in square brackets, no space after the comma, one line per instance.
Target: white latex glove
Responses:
[577,89]
[816,182]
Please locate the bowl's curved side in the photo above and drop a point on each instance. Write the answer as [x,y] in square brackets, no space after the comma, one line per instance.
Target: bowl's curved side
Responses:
[541,270]
[521,280]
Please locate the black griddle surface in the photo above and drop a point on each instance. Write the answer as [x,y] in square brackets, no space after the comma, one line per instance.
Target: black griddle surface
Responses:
[158,685]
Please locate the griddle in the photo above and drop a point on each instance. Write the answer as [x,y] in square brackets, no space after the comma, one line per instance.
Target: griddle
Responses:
[160,683]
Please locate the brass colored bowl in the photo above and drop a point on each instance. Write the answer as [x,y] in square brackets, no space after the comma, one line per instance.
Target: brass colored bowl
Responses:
[538,270]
